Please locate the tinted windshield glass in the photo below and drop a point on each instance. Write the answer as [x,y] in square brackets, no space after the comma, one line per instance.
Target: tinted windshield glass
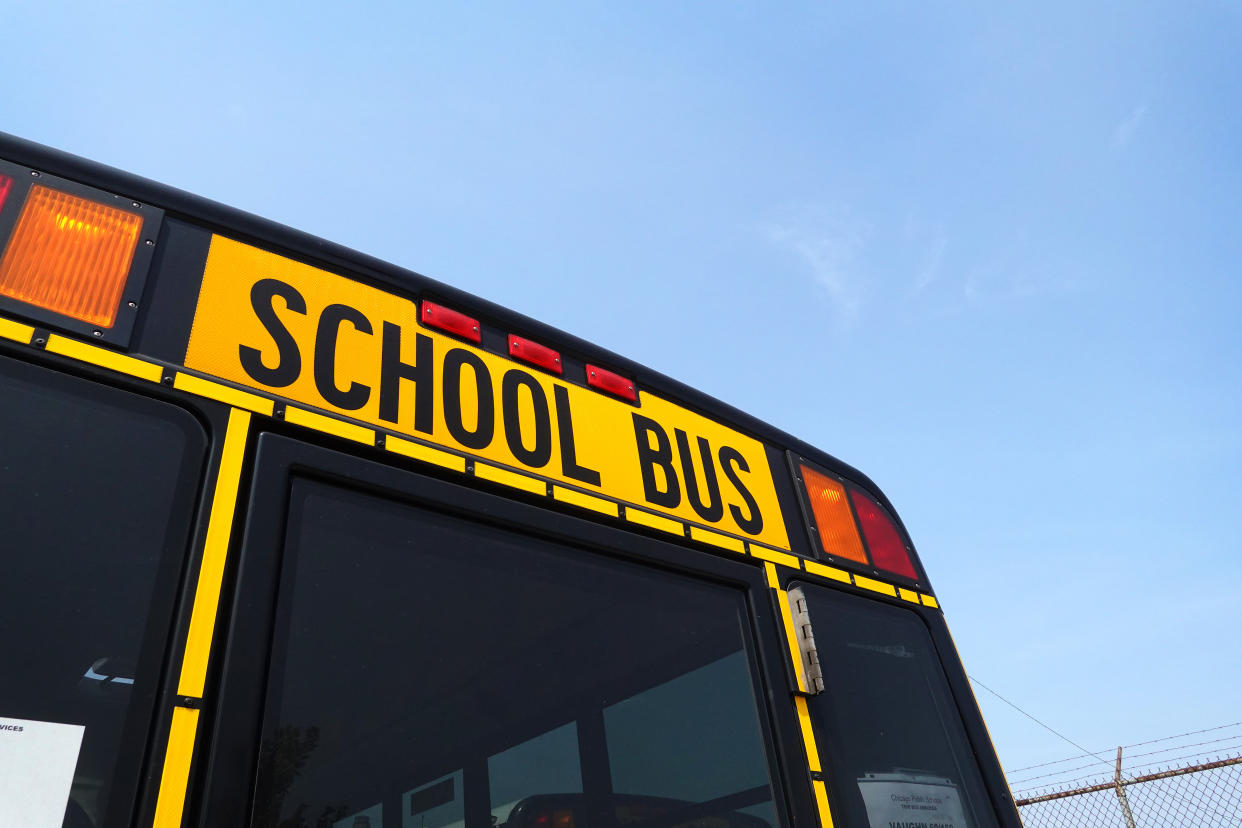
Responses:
[95,491]
[430,671]
[893,741]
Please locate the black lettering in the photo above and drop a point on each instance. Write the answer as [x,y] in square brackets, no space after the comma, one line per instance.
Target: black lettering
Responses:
[421,373]
[565,428]
[658,457]
[330,320]
[538,456]
[753,523]
[289,359]
[485,426]
[713,509]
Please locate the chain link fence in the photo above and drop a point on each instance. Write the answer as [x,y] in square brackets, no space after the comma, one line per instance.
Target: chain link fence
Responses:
[1200,794]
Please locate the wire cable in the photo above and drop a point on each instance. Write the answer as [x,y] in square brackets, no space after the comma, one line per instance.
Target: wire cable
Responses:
[1085,752]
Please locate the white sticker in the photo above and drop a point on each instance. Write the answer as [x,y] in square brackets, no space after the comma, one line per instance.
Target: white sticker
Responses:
[898,800]
[37,760]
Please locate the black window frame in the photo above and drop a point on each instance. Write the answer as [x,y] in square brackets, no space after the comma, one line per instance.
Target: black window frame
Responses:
[235,721]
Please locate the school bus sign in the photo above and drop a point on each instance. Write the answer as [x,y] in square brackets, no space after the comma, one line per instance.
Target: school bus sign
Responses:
[325,341]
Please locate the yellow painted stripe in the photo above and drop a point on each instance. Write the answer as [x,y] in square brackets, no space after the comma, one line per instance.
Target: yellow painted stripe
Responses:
[653,521]
[774,580]
[791,637]
[875,586]
[512,479]
[329,425]
[821,800]
[223,393]
[104,358]
[827,571]
[808,735]
[426,454]
[782,558]
[930,602]
[585,501]
[176,776]
[16,331]
[717,539]
[908,595]
[215,553]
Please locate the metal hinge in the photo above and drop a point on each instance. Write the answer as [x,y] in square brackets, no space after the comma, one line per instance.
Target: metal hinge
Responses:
[812,671]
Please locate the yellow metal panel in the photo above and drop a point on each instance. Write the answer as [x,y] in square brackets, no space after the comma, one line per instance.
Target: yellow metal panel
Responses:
[791,637]
[104,358]
[176,776]
[653,521]
[483,471]
[215,553]
[717,539]
[427,454]
[782,558]
[223,393]
[821,801]
[875,586]
[329,425]
[15,331]
[808,734]
[769,570]
[827,571]
[929,601]
[500,411]
[908,595]
[585,501]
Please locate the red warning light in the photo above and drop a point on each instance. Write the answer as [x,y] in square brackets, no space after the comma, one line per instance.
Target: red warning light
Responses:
[888,551]
[612,383]
[447,319]
[535,354]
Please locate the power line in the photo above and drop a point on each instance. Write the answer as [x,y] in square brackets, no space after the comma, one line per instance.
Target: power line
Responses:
[1085,752]
[1136,744]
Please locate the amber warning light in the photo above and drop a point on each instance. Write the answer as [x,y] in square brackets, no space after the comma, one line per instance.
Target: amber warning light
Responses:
[69,255]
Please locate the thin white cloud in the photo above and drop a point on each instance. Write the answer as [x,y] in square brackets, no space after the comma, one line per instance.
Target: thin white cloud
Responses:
[1125,130]
[829,248]
[933,259]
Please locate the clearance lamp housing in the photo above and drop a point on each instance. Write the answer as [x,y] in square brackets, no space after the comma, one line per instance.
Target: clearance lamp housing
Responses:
[73,257]
[451,321]
[849,526]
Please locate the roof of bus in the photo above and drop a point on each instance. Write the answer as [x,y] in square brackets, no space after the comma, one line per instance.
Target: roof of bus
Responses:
[273,235]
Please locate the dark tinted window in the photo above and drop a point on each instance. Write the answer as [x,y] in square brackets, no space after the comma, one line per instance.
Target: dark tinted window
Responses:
[892,740]
[96,487]
[431,671]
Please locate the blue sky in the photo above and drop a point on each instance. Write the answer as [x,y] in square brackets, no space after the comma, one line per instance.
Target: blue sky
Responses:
[986,253]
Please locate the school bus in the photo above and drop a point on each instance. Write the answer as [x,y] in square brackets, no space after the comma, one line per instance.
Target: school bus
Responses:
[294,537]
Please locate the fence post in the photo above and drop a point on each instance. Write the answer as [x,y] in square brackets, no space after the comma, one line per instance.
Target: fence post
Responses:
[1121,793]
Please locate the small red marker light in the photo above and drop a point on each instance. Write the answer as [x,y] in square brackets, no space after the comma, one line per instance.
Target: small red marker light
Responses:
[446,319]
[612,383]
[888,551]
[6,184]
[535,354]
